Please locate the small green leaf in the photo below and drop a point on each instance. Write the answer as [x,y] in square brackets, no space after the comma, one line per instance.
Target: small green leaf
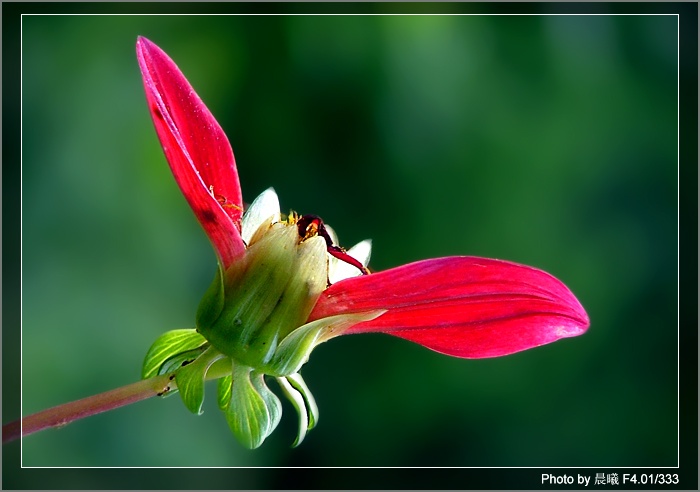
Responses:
[253,411]
[190,379]
[168,345]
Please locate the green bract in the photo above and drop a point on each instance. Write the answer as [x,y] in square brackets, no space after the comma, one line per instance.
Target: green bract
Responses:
[253,411]
[171,345]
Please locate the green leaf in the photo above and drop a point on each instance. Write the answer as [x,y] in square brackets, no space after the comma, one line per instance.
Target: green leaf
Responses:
[253,411]
[168,345]
[190,379]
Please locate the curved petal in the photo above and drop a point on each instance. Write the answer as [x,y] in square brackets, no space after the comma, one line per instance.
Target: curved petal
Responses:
[265,209]
[461,306]
[196,148]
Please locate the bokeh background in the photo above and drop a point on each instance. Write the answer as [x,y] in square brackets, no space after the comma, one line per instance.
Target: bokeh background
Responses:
[545,140]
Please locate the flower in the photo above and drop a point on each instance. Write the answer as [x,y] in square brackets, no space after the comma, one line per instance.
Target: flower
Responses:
[284,285]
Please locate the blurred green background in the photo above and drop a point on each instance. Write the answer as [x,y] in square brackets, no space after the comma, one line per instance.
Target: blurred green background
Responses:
[545,140]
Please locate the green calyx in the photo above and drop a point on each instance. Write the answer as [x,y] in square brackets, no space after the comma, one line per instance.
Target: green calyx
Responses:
[250,307]
[251,323]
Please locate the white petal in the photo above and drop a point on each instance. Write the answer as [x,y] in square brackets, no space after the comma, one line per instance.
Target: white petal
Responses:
[265,209]
[340,270]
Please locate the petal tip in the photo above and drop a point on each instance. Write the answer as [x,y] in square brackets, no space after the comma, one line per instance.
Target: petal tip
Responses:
[143,44]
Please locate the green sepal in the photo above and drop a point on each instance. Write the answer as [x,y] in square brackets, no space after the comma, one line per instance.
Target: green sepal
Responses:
[190,379]
[253,411]
[298,393]
[212,303]
[301,292]
[224,391]
[180,360]
[294,350]
[298,384]
[168,345]
[250,291]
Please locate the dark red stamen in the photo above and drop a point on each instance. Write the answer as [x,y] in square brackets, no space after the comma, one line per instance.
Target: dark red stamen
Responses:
[312,225]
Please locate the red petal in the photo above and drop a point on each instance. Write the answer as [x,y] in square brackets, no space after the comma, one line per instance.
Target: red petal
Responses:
[461,306]
[196,148]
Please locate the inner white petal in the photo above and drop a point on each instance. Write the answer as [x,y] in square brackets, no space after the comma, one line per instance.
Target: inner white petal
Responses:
[339,270]
[264,210]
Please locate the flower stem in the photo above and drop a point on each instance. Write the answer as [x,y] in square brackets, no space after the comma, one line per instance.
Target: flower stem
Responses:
[68,412]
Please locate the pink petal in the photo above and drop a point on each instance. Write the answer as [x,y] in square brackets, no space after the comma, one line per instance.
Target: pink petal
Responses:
[461,306]
[196,148]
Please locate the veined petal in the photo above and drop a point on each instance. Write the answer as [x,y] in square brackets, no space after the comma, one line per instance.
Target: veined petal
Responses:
[197,150]
[461,306]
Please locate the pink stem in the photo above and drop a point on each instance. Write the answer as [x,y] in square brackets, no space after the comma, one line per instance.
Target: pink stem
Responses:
[92,405]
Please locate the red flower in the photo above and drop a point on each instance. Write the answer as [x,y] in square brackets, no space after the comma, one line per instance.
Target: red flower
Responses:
[293,272]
